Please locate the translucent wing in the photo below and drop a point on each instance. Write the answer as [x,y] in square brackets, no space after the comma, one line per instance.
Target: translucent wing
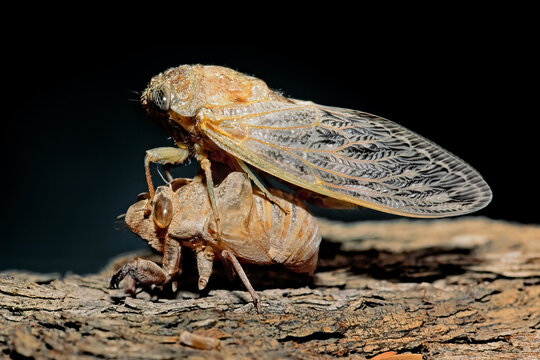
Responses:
[349,155]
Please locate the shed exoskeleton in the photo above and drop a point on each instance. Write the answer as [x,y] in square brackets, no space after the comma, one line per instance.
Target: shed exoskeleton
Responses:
[253,230]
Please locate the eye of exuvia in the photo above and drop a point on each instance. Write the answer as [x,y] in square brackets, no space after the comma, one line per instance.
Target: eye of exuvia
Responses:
[161,98]
[163,211]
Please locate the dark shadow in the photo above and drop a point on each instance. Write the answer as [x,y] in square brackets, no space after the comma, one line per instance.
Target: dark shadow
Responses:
[261,277]
[423,265]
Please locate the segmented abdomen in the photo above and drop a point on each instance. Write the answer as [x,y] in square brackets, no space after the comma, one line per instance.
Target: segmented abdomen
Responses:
[294,236]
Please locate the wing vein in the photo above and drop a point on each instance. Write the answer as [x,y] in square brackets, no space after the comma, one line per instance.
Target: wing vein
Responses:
[351,156]
[312,165]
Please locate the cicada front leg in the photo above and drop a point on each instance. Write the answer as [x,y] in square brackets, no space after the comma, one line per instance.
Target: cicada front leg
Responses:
[163,156]
[139,273]
[176,156]
[148,275]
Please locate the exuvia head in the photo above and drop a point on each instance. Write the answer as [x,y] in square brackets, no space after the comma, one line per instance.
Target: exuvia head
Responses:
[162,204]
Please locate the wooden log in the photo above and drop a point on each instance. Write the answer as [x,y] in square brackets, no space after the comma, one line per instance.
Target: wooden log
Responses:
[466,288]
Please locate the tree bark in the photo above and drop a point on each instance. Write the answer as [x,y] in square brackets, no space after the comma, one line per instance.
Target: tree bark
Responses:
[442,289]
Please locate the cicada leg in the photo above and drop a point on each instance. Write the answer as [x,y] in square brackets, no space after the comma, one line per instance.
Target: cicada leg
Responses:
[172,253]
[229,256]
[176,156]
[147,274]
[143,273]
[205,264]
[163,156]
[260,185]
[205,165]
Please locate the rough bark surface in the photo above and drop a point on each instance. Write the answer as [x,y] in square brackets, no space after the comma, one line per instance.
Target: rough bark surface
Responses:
[445,289]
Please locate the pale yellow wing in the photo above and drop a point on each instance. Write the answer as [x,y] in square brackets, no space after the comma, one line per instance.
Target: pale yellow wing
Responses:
[349,155]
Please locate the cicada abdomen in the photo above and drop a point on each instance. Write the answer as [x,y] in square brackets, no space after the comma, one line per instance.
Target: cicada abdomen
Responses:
[260,231]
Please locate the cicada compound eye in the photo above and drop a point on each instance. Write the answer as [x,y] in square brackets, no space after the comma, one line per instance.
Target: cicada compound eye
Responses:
[160,97]
[163,211]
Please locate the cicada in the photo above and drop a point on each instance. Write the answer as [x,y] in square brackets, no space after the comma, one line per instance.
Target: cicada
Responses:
[219,114]
[253,230]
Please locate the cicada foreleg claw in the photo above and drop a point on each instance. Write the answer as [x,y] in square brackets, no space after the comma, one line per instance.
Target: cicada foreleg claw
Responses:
[142,273]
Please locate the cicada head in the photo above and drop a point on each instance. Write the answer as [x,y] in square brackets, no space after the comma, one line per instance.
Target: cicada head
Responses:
[174,92]
[184,90]
[153,226]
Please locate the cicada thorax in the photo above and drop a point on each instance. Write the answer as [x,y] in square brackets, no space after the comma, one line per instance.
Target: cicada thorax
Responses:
[187,95]
[187,89]
[224,87]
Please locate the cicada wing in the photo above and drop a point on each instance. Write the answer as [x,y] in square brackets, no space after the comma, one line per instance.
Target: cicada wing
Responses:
[351,156]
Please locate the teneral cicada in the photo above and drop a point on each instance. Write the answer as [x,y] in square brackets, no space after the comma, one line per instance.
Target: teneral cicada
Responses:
[220,114]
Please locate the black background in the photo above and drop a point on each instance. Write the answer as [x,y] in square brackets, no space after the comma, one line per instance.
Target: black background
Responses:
[74,134]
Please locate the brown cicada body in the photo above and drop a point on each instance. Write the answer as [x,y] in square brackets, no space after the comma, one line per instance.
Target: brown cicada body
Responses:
[253,230]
